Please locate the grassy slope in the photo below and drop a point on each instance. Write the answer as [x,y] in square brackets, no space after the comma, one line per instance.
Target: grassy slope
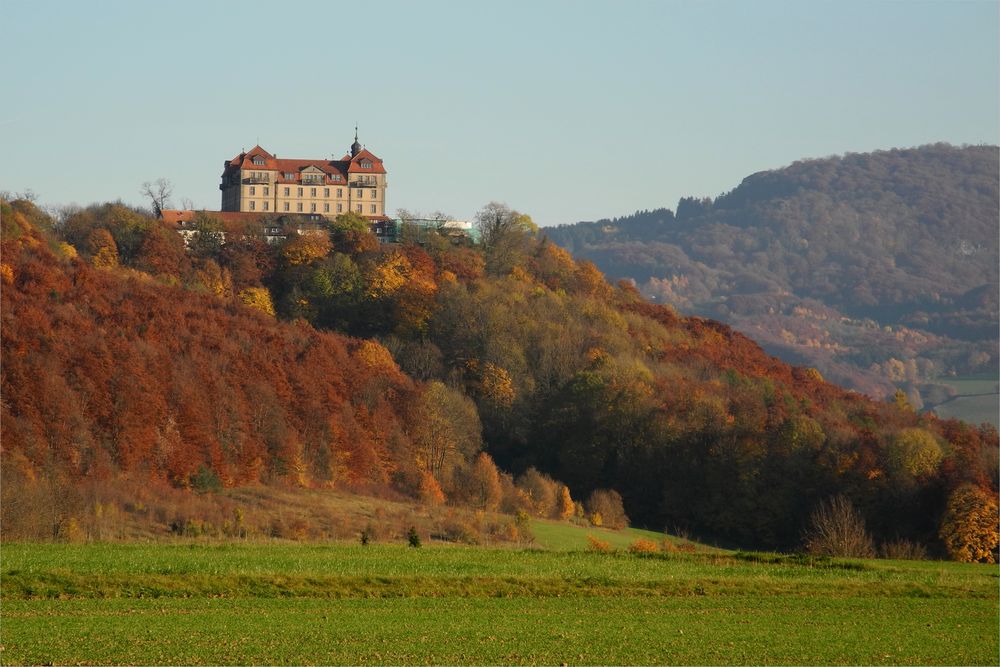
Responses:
[284,603]
[971,405]
[560,536]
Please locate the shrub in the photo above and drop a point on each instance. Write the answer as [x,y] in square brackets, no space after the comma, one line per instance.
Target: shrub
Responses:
[453,530]
[206,480]
[836,529]
[903,550]
[542,490]
[515,500]
[595,544]
[608,503]
[430,491]
[523,524]
[644,546]
[565,505]
[413,537]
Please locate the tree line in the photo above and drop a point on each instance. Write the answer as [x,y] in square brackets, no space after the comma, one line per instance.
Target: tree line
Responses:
[508,376]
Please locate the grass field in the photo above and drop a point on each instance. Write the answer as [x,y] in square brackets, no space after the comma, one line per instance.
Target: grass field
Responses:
[977,400]
[282,603]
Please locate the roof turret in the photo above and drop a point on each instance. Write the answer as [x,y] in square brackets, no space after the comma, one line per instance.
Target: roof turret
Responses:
[355,147]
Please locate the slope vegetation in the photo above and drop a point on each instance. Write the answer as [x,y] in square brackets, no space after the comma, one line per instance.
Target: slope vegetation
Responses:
[879,269]
[125,354]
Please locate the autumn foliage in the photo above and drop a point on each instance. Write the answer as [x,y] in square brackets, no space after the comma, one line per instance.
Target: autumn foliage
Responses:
[432,372]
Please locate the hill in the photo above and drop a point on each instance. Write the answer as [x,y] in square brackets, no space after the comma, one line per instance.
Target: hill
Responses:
[879,269]
[329,361]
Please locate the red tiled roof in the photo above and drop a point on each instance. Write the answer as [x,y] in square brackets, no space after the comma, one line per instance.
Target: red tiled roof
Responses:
[229,219]
[365,154]
[289,165]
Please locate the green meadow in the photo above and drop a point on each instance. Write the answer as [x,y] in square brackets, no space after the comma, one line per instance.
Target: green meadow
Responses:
[977,400]
[285,603]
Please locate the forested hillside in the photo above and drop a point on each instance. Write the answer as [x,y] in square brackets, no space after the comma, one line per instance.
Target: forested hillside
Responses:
[406,370]
[879,269]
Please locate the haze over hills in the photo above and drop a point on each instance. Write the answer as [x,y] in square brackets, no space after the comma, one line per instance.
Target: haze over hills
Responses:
[327,360]
[879,269]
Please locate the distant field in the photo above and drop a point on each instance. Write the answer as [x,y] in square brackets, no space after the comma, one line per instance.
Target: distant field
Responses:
[282,603]
[976,403]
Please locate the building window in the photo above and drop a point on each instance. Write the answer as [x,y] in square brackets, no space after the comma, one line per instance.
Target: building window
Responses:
[300,192]
[373,208]
[326,192]
[267,190]
[286,206]
[266,206]
[326,208]
[359,208]
[340,208]
[312,208]
[253,190]
[289,175]
[287,191]
[312,192]
[366,164]
[252,205]
[298,207]
[340,192]
[258,160]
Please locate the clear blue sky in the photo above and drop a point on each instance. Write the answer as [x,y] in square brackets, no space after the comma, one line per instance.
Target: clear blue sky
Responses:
[564,110]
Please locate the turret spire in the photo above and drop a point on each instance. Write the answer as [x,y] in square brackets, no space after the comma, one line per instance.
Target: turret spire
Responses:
[355,147]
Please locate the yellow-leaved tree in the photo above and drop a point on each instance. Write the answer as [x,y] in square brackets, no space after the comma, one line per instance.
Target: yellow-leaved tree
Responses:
[915,452]
[259,298]
[484,483]
[566,506]
[446,432]
[103,249]
[306,248]
[969,528]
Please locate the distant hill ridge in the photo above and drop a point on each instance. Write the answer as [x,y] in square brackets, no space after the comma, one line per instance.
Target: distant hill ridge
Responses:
[880,268]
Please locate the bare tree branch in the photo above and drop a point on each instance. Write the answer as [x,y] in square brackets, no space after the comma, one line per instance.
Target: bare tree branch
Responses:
[158,194]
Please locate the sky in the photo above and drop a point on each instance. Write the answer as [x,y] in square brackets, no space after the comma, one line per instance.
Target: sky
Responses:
[566,111]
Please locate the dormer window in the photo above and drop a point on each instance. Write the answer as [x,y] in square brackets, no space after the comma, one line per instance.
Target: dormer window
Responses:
[258,160]
[289,176]
[366,164]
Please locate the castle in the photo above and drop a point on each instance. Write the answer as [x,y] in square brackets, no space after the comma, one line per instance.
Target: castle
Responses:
[256,181]
[260,186]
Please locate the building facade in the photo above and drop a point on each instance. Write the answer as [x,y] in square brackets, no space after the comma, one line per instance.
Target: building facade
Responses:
[256,181]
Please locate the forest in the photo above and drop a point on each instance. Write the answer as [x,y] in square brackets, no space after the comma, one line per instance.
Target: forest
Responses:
[879,269]
[504,376]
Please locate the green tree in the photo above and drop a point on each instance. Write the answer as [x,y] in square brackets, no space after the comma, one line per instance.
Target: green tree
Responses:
[503,233]
[208,237]
[351,233]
